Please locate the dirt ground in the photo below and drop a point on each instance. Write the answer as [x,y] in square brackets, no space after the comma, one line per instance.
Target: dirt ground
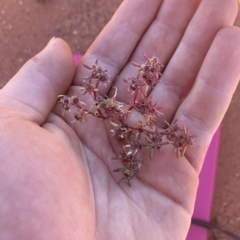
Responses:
[27,25]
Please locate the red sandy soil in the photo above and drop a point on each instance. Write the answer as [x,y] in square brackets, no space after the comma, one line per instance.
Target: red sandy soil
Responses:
[27,25]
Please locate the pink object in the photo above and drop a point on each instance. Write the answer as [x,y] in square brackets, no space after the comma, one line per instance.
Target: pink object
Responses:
[77,58]
[205,190]
[206,185]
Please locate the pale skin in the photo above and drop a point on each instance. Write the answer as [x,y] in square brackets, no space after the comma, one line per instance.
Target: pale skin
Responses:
[56,179]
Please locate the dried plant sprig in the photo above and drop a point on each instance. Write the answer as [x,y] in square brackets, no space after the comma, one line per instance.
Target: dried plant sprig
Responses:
[145,135]
[151,70]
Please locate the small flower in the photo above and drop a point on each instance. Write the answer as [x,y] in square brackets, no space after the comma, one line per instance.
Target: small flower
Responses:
[99,101]
[155,138]
[134,143]
[136,165]
[79,116]
[122,132]
[151,120]
[172,130]
[110,106]
[88,88]
[130,171]
[140,125]
[179,137]
[77,103]
[75,100]
[155,142]
[146,107]
[124,157]
[135,84]
[97,73]
[151,70]
[123,115]
[183,142]
[65,101]
[127,173]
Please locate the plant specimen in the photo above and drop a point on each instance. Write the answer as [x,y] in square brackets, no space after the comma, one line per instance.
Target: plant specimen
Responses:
[144,135]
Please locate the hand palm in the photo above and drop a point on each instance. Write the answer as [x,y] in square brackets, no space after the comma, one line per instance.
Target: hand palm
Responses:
[156,197]
[75,166]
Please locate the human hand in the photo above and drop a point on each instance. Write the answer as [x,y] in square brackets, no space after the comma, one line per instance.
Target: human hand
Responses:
[56,180]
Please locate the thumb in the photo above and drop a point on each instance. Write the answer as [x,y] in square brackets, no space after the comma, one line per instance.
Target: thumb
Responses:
[33,91]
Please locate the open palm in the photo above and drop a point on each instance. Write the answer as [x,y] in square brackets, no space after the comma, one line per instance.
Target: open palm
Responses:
[56,178]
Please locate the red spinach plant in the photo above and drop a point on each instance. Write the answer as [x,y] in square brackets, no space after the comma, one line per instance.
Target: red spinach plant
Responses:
[145,134]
